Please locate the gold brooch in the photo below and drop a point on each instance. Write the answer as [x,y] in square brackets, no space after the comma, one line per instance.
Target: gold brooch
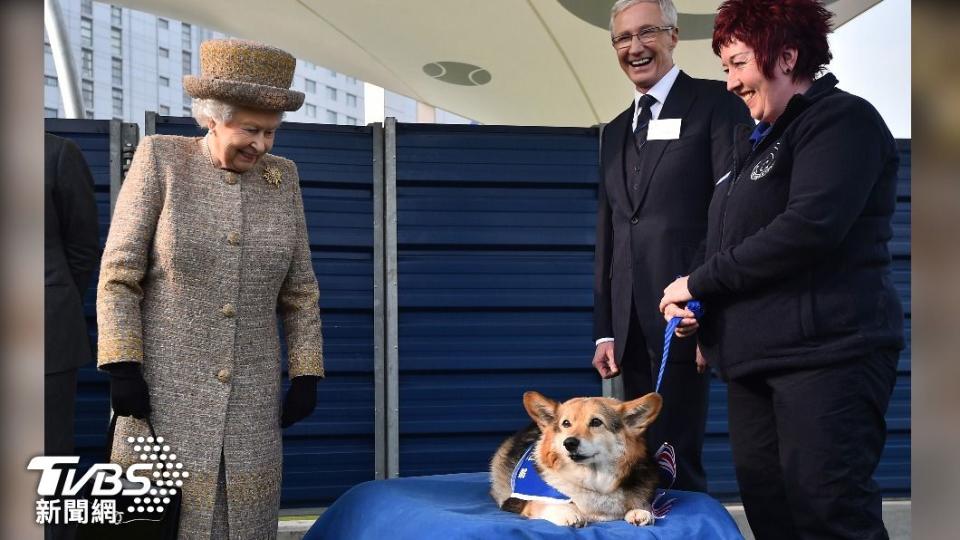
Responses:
[272,176]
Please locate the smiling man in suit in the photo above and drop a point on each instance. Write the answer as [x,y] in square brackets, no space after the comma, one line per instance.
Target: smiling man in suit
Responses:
[661,160]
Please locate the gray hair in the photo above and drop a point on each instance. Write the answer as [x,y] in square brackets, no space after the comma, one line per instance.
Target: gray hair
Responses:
[667,9]
[206,109]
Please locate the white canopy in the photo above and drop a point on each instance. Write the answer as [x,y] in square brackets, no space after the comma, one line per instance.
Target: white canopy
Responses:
[526,62]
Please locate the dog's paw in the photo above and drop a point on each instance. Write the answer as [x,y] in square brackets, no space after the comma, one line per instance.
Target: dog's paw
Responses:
[639,517]
[565,515]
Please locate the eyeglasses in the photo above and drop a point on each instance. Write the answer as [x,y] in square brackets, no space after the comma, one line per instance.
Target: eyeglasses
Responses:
[646,36]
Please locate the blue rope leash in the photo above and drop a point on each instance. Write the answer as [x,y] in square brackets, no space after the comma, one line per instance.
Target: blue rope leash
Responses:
[697,310]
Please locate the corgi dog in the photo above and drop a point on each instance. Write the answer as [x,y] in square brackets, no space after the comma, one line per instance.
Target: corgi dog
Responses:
[591,453]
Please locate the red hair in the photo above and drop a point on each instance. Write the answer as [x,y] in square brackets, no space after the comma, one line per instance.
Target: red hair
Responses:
[770,26]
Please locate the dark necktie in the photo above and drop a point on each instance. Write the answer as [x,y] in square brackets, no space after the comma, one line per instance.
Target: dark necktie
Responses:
[643,119]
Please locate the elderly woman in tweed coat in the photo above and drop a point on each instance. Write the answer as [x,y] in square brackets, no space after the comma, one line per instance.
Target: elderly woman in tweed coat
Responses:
[207,244]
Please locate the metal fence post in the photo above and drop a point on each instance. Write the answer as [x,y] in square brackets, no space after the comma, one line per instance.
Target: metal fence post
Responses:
[123,143]
[150,123]
[379,307]
[392,374]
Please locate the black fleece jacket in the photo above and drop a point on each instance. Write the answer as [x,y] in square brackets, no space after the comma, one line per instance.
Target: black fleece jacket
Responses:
[797,270]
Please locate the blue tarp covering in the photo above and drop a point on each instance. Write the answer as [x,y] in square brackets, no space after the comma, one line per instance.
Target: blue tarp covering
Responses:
[459,507]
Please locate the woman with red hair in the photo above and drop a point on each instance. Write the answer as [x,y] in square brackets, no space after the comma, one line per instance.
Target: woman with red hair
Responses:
[801,316]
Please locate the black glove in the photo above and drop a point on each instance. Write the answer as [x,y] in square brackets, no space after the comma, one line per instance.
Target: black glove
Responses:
[129,395]
[300,401]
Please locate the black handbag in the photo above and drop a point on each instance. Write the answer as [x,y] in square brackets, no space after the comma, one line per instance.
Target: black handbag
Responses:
[154,515]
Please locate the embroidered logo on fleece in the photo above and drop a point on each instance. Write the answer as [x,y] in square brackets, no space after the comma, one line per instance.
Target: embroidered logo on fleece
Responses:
[766,164]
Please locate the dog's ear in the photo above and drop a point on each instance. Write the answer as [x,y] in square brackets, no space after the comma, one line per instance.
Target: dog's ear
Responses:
[542,409]
[641,412]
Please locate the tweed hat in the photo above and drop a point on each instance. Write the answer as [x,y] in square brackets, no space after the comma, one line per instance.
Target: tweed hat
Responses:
[245,73]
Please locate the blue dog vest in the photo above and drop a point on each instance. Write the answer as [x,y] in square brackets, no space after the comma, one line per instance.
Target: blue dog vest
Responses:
[527,484]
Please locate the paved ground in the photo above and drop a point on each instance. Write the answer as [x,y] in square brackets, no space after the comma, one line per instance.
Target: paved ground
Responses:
[896,515]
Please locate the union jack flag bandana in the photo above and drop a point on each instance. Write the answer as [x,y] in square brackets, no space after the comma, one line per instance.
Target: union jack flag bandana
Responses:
[667,460]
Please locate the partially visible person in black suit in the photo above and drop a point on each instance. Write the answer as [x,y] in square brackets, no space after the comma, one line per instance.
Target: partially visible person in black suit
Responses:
[71,253]
[660,158]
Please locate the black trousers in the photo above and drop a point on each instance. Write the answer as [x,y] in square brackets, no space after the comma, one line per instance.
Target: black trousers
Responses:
[59,404]
[685,392]
[806,444]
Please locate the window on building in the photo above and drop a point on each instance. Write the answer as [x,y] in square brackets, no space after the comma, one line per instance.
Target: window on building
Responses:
[332,73]
[116,16]
[117,102]
[164,52]
[331,117]
[86,63]
[47,48]
[331,93]
[187,37]
[351,100]
[116,68]
[86,7]
[86,32]
[50,81]
[49,113]
[187,61]
[187,112]
[311,110]
[163,24]
[310,86]
[164,110]
[87,90]
[351,121]
[116,41]
[164,81]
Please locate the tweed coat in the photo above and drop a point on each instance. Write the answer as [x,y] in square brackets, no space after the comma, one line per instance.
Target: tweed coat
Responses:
[197,264]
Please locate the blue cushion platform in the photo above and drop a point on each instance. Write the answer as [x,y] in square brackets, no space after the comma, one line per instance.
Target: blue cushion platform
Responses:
[459,507]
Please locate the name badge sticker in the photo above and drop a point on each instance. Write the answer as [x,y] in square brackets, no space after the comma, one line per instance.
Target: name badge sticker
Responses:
[665,129]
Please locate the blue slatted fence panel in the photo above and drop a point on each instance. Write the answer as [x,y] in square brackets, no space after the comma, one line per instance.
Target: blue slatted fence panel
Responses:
[495,255]
[893,473]
[332,450]
[93,393]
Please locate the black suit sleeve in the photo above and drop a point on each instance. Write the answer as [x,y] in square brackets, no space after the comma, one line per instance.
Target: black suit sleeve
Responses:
[603,251]
[77,208]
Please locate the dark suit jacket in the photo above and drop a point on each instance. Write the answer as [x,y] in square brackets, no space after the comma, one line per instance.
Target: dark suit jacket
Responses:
[642,247]
[70,253]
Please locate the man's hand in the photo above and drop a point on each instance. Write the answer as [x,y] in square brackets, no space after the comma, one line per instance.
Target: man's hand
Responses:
[701,361]
[603,360]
